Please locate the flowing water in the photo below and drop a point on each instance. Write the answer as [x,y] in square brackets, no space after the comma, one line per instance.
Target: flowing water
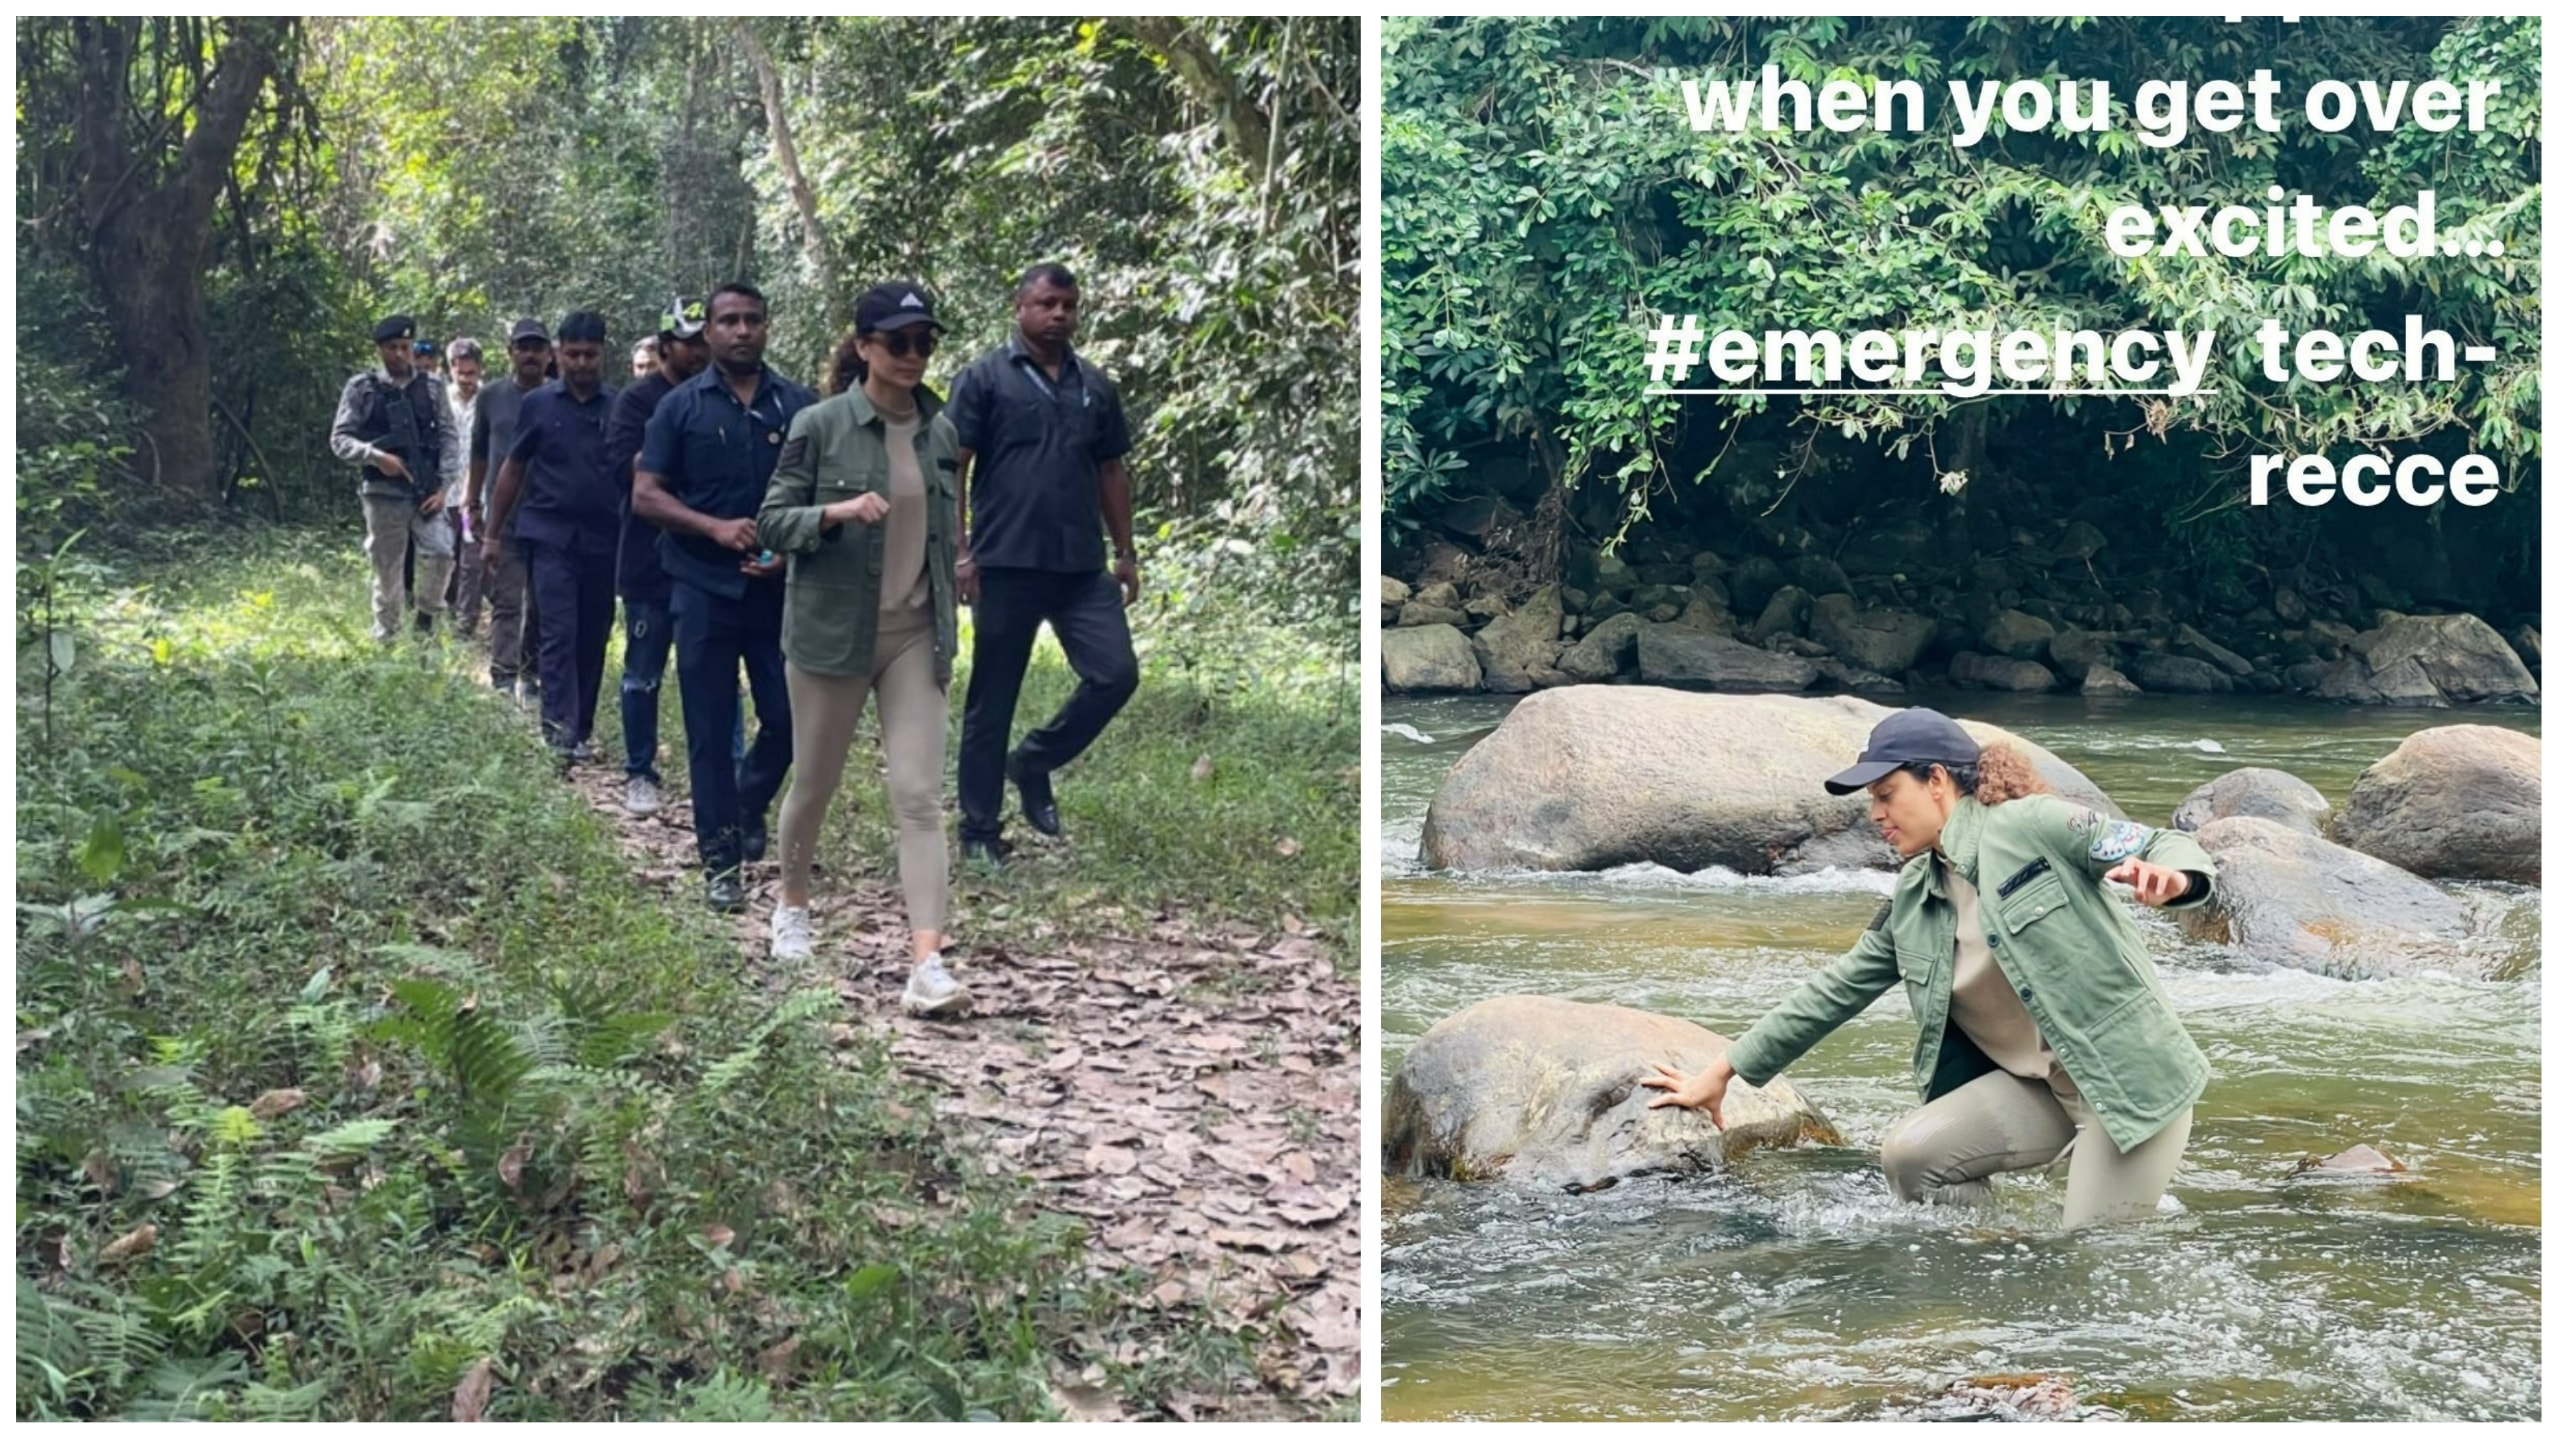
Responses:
[1794,1288]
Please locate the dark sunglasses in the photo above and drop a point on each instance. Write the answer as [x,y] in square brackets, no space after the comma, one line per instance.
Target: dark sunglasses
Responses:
[899,343]
[529,346]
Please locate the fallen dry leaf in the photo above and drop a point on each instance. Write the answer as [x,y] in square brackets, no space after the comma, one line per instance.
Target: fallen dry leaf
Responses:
[719,1236]
[276,1103]
[1288,846]
[511,1165]
[133,1244]
[1203,768]
[471,1398]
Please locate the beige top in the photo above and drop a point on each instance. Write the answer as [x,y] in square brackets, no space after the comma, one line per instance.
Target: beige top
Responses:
[1986,1005]
[902,577]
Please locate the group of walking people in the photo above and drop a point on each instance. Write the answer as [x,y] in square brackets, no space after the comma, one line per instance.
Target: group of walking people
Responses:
[820,545]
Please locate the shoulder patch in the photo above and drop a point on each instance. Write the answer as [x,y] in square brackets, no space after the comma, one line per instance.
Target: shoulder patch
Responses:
[2114,840]
[793,449]
[1884,913]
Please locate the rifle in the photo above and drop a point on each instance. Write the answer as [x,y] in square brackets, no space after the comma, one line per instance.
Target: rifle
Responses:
[401,414]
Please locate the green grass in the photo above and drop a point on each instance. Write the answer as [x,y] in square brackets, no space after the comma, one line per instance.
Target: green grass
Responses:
[327,989]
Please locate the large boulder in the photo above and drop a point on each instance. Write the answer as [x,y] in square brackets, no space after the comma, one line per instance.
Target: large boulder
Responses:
[2260,791]
[1603,651]
[1511,646]
[1415,614]
[2454,802]
[2196,645]
[1431,657]
[2460,655]
[2404,683]
[1753,581]
[1589,777]
[2300,901]
[2073,652]
[2106,680]
[1884,641]
[1783,615]
[1678,655]
[2178,674]
[1544,1091]
[2016,633]
[1998,672]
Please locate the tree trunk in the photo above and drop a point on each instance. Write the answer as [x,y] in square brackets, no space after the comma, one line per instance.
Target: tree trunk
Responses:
[148,200]
[1247,130]
[803,195]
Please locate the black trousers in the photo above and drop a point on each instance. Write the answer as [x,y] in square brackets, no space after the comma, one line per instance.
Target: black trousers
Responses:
[576,590]
[1092,627]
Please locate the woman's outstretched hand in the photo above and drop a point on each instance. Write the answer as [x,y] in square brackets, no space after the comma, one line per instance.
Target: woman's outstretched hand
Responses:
[2152,885]
[1705,1089]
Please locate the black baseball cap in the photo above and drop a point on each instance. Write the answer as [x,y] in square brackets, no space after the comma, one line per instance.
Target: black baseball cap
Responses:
[394,327]
[1916,736]
[894,306]
[684,318]
[527,329]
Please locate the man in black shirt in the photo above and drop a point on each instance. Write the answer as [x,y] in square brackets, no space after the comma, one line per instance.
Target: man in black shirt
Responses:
[515,631]
[569,524]
[1041,441]
[678,355]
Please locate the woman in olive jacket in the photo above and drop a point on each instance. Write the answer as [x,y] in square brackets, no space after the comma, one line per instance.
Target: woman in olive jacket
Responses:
[2040,1015]
[864,500]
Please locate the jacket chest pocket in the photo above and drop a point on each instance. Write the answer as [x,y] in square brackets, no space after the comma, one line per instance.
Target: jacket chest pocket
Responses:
[2031,893]
[859,475]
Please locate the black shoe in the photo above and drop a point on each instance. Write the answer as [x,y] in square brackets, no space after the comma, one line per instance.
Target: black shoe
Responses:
[426,623]
[1039,803]
[584,752]
[751,841]
[990,854]
[724,892]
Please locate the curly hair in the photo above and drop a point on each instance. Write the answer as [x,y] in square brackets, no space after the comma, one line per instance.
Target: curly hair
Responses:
[845,365]
[2001,773]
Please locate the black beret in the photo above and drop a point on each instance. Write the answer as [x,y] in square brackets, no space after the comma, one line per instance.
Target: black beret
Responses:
[582,325]
[394,327]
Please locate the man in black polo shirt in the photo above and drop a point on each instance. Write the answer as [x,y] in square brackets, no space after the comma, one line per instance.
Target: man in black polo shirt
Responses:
[1041,441]
[677,355]
[709,450]
[569,523]
[514,629]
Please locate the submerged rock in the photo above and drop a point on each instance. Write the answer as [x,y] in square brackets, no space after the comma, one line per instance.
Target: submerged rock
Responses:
[1545,1091]
[2300,901]
[2453,802]
[1589,777]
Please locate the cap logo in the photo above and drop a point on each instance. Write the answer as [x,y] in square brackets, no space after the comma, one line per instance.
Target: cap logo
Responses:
[912,302]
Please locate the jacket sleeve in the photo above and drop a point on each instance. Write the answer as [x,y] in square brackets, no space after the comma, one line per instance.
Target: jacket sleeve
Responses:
[2098,844]
[788,522]
[623,433]
[1826,1001]
[343,440]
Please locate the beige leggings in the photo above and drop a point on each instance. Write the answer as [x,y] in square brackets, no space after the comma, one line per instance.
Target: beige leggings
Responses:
[915,717]
[1946,1152]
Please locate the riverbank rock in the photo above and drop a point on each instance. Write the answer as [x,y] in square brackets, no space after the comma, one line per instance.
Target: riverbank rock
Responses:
[1430,657]
[1544,1091]
[1603,651]
[1511,646]
[2107,680]
[2017,634]
[1887,642]
[2300,901]
[2459,655]
[1998,672]
[2177,674]
[2453,802]
[1678,655]
[2260,791]
[2074,653]
[1588,777]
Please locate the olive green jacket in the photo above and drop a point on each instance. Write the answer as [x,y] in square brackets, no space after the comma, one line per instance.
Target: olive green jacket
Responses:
[837,449]
[2068,947]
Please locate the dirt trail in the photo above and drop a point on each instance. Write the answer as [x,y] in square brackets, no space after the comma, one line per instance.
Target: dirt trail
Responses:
[1193,1094]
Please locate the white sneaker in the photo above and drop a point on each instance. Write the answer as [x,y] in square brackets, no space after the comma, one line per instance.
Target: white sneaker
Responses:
[931,991]
[640,796]
[791,933]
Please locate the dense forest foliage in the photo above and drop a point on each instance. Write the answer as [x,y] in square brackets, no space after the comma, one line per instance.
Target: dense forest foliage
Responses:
[213,211]
[1545,197]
